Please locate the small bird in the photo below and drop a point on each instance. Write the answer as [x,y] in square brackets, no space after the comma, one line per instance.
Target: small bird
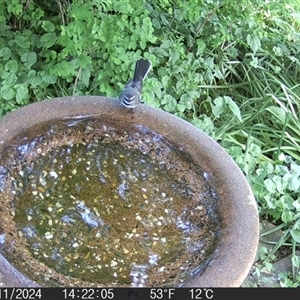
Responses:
[130,97]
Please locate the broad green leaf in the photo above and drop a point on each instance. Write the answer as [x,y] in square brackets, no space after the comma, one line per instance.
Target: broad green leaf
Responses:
[170,103]
[255,150]
[157,90]
[186,101]
[287,216]
[253,42]
[7,92]
[160,53]
[10,79]
[22,41]
[235,151]
[281,169]
[174,55]
[278,182]
[234,108]
[218,108]
[296,204]
[264,169]
[34,79]
[5,53]
[63,69]
[296,235]
[291,182]
[287,201]
[270,185]
[22,93]
[296,258]
[165,81]
[11,66]
[85,76]
[295,169]
[143,44]
[48,78]
[278,112]
[48,26]
[29,58]
[15,8]
[156,23]
[48,39]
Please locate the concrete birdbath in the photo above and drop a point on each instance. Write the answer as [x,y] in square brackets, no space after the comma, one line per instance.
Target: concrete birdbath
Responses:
[93,194]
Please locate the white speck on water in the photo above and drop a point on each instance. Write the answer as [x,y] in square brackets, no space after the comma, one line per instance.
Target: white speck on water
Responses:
[53,174]
[113,263]
[48,235]
[138,217]
[153,259]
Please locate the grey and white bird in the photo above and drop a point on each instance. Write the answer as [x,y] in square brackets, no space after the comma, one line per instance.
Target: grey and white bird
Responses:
[130,96]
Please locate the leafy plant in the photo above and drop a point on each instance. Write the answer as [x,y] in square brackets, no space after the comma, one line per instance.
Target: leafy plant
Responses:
[229,68]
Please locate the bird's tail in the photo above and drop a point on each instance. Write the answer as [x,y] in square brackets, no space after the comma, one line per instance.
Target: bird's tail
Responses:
[142,67]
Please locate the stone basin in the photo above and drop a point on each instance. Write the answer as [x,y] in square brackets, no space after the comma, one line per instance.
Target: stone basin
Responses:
[236,242]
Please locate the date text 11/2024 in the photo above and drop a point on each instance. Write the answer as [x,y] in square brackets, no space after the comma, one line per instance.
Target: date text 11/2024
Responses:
[106,293]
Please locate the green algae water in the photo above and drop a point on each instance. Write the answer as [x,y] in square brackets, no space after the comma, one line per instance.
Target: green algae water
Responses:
[94,206]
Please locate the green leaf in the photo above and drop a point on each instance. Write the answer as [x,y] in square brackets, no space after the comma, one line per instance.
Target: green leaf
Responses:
[22,93]
[253,42]
[234,108]
[29,58]
[35,81]
[174,55]
[296,235]
[278,182]
[218,108]
[160,53]
[157,90]
[291,182]
[5,53]
[270,186]
[11,66]
[170,103]
[48,78]
[278,112]
[7,92]
[296,204]
[255,150]
[165,81]
[287,201]
[296,258]
[85,76]
[48,26]
[63,69]
[264,169]
[22,41]
[156,23]
[48,39]
[295,169]
[10,79]
[287,216]
[143,44]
